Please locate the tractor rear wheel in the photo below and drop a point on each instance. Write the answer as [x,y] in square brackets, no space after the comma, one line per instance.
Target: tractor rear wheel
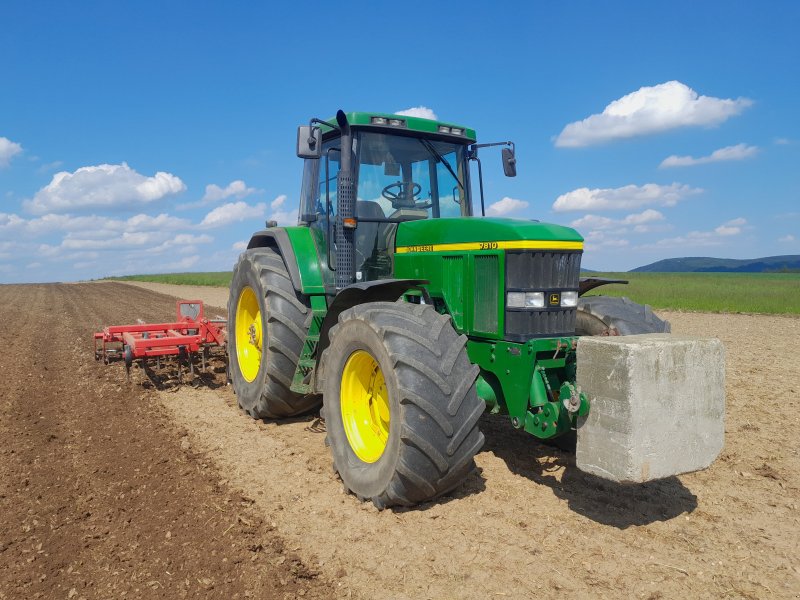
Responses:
[266,331]
[401,408]
[609,315]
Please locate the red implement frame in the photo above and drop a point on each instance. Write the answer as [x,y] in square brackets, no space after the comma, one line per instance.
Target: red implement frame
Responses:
[189,334]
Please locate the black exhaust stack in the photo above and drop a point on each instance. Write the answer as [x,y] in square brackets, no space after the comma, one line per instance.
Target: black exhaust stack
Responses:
[345,210]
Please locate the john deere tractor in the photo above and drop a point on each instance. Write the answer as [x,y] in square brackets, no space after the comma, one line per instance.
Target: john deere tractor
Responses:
[406,315]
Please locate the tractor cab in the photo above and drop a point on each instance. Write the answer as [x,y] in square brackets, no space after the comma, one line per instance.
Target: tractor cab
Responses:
[403,169]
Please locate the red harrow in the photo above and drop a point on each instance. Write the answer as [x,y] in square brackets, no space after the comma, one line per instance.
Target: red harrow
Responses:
[189,335]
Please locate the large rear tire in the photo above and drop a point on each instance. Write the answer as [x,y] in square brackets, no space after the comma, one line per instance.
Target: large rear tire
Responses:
[266,330]
[401,408]
[609,315]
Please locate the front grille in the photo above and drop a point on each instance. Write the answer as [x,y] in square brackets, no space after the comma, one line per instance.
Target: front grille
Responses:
[542,272]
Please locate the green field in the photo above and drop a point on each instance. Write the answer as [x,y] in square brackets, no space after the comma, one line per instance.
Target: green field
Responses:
[214,278]
[769,293]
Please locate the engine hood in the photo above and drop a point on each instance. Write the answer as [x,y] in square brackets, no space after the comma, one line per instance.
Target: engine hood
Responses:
[484,233]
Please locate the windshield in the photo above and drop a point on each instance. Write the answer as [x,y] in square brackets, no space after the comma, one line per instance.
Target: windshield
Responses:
[403,178]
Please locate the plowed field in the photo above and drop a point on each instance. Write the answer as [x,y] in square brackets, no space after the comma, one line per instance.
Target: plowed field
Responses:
[154,489]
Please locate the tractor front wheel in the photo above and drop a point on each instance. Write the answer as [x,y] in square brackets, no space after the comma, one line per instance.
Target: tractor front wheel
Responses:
[266,330]
[401,408]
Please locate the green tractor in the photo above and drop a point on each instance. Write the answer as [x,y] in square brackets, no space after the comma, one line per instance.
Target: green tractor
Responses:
[406,316]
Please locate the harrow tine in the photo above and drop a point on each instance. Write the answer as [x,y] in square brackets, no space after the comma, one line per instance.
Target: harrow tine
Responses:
[127,355]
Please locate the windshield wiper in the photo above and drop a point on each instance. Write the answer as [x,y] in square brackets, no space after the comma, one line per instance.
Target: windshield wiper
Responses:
[441,159]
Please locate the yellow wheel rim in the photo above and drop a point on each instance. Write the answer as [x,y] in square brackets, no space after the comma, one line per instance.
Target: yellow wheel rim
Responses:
[248,334]
[365,406]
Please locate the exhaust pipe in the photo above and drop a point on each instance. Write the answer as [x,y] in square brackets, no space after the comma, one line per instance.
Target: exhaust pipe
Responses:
[345,209]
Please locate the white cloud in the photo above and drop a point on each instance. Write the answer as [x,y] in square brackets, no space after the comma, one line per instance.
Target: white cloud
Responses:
[737,152]
[184,263]
[183,243]
[280,213]
[8,150]
[237,189]
[51,166]
[787,239]
[597,222]
[91,225]
[603,239]
[782,141]
[423,112]
[125,240]
[232,213]
[715,237]
[284,217]
[648,110]
[732,227]
[505,206]
[239,246]
[629,197]
[278,202]
[103,186]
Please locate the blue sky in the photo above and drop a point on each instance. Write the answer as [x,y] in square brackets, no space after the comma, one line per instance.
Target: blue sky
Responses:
[155,137]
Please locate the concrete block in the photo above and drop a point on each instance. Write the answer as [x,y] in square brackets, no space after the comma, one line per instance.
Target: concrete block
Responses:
[657,405]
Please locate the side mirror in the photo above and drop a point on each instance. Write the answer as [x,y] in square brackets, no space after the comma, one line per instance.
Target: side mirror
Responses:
[309,142]
[509,162]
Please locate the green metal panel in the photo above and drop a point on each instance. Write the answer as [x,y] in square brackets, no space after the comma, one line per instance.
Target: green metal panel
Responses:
[308,261]
[454,275]
[480,229]
[453,282]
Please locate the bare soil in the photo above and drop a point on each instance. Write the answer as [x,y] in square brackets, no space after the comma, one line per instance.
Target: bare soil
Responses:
[101,494]
[528,524]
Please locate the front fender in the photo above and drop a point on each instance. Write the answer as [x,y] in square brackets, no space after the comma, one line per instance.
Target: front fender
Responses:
[299,253]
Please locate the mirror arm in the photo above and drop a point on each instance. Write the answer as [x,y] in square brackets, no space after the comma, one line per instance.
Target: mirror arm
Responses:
[312,141]
[474,147]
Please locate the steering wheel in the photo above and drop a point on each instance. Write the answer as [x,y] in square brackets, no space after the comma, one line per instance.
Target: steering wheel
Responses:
[404,196]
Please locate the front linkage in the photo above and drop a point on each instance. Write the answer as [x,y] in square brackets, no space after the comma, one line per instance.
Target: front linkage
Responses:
[532,382]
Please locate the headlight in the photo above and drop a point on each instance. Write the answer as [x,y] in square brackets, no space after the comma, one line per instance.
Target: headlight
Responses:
[569,298]
[515,300]
[534,299]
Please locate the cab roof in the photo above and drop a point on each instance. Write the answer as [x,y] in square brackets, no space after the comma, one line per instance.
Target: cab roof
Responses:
[389,121]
